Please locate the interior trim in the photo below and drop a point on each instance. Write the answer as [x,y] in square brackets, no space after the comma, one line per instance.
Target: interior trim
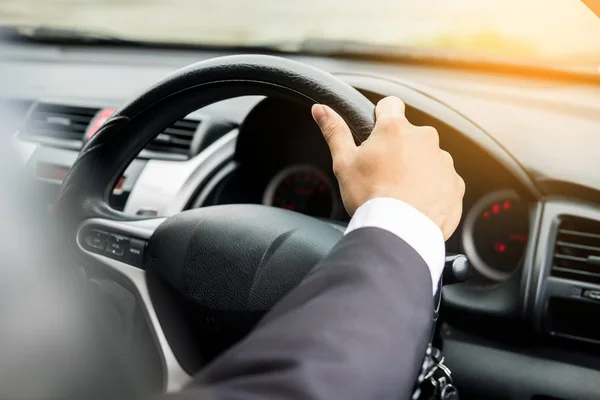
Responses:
[213,182]
[484,370]
[168,186]
[133,278]
[553,211]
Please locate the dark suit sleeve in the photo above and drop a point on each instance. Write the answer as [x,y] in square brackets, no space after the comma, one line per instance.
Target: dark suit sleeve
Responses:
[356,328]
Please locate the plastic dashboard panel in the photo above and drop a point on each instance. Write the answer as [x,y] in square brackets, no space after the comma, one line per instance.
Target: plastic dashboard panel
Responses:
[482,371]
[543,286]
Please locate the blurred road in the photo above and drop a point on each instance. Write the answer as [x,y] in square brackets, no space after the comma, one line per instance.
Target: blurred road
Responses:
[549,28]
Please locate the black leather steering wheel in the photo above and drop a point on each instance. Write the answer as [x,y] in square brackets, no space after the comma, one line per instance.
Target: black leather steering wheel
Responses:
[231,263]
[85,191]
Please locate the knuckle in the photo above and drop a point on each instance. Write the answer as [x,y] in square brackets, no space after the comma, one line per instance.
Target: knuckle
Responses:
[392,123]
[461,185]
[398,102]
[430,133]
[447,157]
[382,102]
[392,100]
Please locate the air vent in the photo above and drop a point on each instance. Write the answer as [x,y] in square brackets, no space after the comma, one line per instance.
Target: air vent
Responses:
[59,122]
[66,126]
[176,139]
[577,250]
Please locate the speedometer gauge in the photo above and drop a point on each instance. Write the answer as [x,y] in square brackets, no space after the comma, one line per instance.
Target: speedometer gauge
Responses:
[495,234]
[301,188]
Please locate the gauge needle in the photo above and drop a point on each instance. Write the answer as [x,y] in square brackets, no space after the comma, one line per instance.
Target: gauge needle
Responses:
[518,238]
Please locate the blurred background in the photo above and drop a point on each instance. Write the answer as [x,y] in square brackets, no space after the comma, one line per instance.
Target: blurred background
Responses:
[562,31]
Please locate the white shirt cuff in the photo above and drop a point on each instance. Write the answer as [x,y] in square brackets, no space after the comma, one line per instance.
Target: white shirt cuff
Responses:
[410,225]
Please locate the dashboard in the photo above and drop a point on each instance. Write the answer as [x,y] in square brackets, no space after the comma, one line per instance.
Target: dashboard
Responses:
[524,146]
[287,164]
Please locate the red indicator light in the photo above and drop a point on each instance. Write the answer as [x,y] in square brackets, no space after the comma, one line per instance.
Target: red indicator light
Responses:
[486,214]
[507,205]
[496,208]
[500,247]
[289,207]
[98,121]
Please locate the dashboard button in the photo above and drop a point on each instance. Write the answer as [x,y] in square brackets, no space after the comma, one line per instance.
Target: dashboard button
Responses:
[592,294]
[96,239]
[116,245]
[135,252]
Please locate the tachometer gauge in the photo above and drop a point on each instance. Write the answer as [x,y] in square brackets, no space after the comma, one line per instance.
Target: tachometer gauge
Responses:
[302,188]
[495,234]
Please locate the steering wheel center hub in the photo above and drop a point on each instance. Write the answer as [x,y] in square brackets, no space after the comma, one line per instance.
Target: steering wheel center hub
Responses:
[228,260]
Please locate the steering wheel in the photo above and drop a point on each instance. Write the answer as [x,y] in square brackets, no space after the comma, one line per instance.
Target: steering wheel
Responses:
[228,264]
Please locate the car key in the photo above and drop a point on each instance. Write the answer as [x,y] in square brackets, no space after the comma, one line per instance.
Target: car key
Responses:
[435,380]
[449,392]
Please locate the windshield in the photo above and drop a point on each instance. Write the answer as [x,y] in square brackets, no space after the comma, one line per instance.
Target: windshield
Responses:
[555,31]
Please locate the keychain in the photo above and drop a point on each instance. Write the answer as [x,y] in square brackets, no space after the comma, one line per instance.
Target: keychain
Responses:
[435,380]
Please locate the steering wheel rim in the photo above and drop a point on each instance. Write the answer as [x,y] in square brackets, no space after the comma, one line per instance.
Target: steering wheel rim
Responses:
[85,191]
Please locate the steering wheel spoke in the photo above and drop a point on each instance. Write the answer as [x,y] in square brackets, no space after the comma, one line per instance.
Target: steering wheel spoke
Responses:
[117,249]
[122,241]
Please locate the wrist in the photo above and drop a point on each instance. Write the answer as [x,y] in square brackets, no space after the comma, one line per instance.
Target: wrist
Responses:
[410,225]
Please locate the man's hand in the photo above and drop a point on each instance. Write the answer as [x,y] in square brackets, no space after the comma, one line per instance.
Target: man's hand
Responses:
[399,160]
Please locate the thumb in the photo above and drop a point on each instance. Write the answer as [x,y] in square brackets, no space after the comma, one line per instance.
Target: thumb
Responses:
[336,132]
